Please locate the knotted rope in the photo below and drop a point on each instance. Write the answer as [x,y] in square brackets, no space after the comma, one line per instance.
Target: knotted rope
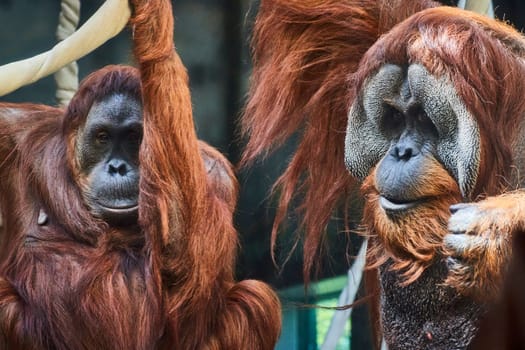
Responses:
[67,77]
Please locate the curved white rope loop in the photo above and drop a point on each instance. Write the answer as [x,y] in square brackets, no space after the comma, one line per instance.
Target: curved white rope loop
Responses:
[107,22]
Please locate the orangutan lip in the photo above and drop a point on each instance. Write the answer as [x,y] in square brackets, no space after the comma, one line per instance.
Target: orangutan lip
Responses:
[121,210]
[397,206]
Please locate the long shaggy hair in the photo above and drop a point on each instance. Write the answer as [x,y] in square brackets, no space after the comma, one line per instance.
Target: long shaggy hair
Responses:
[414,240]
[309,50]
[188,218]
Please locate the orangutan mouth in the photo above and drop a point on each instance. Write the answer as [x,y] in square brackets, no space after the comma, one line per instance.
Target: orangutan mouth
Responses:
[399,205]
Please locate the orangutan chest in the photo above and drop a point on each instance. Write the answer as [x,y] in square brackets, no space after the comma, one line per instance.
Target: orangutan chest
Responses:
[426,314]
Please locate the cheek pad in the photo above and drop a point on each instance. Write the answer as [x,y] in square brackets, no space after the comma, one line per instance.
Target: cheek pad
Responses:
[458,147]
[365,145]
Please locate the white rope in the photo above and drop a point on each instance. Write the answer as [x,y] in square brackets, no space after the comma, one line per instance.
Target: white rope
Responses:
[107,22]
[347,296]
[67,77]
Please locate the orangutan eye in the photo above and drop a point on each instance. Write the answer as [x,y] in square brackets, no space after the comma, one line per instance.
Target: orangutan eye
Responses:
[102,137]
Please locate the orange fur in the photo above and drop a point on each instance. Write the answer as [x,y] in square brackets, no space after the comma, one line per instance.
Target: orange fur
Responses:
[205,305]
[304,49]
[415,240]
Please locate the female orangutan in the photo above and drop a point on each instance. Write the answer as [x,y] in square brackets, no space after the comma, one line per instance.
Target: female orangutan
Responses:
[117,223]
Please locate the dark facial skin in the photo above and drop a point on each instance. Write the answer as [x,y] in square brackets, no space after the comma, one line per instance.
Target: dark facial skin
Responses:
[413,139]
[107,150]
[408,125]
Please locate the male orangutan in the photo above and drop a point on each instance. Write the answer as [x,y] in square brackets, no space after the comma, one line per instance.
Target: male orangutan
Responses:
[118,222]
[424,107]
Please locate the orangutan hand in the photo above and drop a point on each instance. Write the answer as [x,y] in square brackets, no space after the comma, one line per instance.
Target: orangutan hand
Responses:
[479,243]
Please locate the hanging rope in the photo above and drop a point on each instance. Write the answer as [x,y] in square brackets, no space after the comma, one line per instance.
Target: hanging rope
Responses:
[483,7]
[347,297]
[107,22]
[67,77]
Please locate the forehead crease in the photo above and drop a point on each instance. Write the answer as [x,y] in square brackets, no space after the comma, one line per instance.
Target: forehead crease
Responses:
[115,109]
